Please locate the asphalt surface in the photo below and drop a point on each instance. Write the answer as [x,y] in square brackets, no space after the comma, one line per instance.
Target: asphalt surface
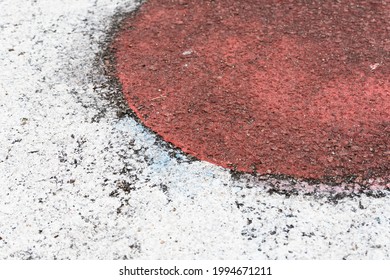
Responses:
[82,178]
[296,88]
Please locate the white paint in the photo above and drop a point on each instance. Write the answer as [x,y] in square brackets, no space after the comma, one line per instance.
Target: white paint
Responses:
[374,66]
[60,161]
[187,52]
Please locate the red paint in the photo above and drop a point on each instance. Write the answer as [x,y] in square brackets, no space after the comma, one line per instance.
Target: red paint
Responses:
[282,87]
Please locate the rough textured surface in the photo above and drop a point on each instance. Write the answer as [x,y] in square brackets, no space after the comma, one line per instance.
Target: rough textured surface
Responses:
[299,88]
[81,179]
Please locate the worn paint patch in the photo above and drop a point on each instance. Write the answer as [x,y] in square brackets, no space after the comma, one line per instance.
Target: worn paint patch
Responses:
[300,89]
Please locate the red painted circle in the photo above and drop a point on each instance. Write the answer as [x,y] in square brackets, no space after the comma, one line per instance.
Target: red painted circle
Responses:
[298,88]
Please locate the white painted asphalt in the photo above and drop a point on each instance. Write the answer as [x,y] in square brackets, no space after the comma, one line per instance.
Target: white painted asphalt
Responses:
[79,182]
